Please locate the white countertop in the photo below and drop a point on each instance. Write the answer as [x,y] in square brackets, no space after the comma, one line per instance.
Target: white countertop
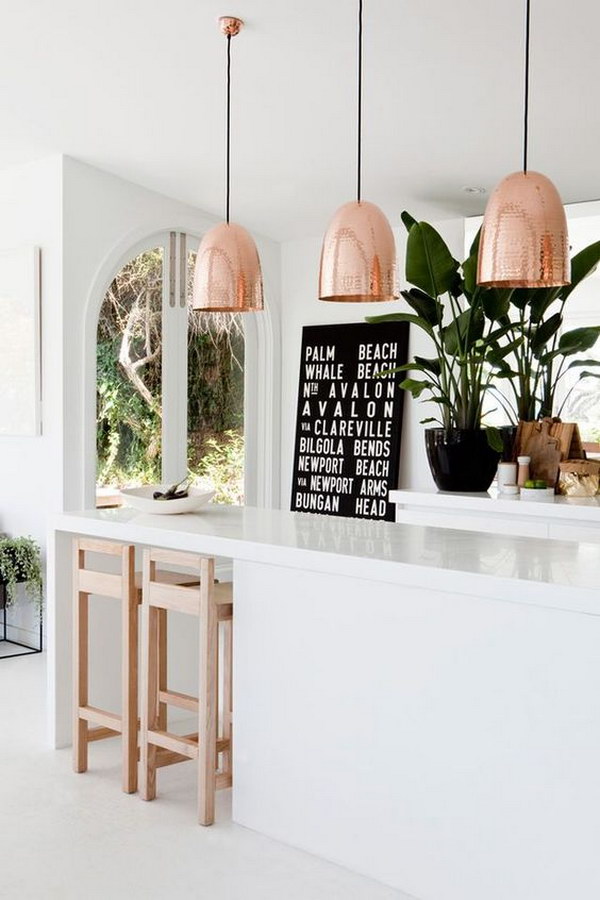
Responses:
[581,509]
[551,573]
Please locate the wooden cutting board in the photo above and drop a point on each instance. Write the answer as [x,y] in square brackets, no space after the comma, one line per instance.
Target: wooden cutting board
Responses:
[548,443]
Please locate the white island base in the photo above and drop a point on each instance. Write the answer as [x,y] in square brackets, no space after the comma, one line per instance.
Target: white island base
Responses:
[419,705]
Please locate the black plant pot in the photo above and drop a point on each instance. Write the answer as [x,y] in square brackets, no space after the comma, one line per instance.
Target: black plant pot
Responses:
[461,460]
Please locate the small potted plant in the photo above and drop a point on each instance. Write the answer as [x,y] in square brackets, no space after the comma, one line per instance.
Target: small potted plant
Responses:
[463,454]
[20,563]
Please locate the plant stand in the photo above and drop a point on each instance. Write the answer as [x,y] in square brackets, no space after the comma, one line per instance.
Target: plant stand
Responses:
[27,649]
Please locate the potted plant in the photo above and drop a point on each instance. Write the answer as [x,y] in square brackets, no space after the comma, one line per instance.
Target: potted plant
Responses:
[455,315]
[20,563]
[536,354]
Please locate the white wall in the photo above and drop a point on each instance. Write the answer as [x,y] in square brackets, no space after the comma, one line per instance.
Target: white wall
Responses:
[30,470]
[300,306]
[30,214]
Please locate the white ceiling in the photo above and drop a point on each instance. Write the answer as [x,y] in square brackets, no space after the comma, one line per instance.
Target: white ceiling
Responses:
[136,87]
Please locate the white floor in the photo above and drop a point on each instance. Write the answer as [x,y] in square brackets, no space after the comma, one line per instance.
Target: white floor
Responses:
[66,836]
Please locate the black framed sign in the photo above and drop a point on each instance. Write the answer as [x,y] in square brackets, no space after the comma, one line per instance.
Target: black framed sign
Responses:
[349,420]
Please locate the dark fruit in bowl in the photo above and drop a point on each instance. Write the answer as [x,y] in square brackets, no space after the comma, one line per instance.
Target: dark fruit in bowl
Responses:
[172,493]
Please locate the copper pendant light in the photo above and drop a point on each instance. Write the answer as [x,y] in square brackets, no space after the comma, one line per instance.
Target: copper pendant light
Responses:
[227,275]
[358,259]
[524,239]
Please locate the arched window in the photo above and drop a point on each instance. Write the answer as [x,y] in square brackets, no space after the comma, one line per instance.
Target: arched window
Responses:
[261,369]
[170,381]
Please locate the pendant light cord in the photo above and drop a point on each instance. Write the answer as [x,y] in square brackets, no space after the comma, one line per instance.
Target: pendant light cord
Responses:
[228,131]
[359,147]
[526,97]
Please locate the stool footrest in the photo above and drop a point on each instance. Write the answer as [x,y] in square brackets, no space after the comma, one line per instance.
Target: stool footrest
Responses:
[101,733]
[175,698]
[101,717]
[184,745]
[169,758]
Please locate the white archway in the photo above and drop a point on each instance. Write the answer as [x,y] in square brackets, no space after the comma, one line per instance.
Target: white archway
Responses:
[262,378]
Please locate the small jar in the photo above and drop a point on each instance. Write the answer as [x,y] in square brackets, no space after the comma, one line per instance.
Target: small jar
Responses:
[523,473]
[507,474]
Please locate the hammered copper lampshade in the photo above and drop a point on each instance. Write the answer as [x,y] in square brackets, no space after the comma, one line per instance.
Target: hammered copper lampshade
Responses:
[227,274]
[358,259]
[227,277]
[524,240]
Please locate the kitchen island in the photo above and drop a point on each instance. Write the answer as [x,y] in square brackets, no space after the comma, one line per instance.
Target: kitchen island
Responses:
[418,704]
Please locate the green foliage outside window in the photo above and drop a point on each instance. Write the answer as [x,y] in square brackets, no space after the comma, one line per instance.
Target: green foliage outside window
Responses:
[129,376]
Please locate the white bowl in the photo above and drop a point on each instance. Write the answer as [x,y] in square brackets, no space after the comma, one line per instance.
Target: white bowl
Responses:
[142,498]
[538,495]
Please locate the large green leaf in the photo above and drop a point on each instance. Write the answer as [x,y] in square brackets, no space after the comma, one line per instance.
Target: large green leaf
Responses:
[495,303]
[542,299]
[505,371]
[407,220]
[582,363]
[521,297]
[425,306]
[402,317]
[464,331]
[406,367]
[497,354]
[429,264]
[504,329]
[494,438]
[578,339]
[474,248]
[416,387]
[469,270]
[544,332]
[431,365]
[583,264]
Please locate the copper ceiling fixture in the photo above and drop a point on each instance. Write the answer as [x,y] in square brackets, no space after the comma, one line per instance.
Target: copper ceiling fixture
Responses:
[227,275]
[358,259]
[524,239]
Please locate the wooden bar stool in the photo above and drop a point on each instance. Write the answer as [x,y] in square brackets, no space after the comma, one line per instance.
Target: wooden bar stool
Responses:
[125,586]
[212,603]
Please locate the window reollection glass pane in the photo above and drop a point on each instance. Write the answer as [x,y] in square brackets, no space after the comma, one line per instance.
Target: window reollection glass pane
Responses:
[128,388]
[216,399]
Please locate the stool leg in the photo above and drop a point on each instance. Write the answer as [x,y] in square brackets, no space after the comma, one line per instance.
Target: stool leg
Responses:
[150,682]
[80,678]
[129,656]
[162,666]
[227,693]
[150,701]
[208,699]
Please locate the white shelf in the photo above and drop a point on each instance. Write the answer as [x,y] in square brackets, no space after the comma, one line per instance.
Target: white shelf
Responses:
[584,509]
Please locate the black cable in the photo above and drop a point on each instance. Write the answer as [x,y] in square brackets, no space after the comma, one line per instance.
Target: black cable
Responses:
[526,99]
[359,148]
[228,130]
